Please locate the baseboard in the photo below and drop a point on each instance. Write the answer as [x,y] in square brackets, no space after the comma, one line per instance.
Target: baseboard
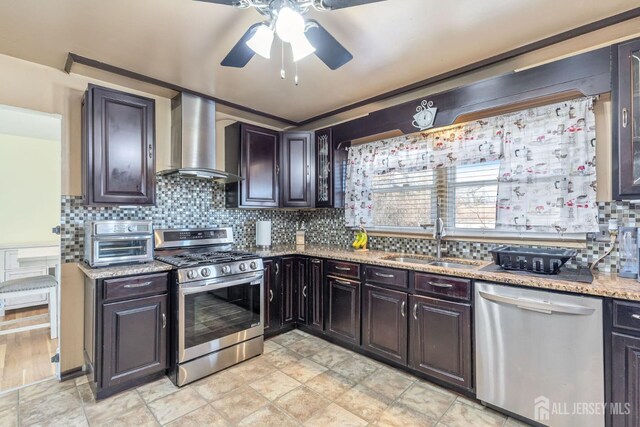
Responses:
[71,373]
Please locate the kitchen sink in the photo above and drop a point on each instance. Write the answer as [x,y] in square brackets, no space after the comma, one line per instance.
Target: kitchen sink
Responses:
[426,261]
[450,264]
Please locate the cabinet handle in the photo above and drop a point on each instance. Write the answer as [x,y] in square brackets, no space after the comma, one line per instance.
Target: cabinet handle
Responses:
[440,285]
[308,170]
[277,266]
[277,169]
[415,311]
[625,117]
[402,312]
[270,295]
[342,268]
[164,321]
[137,285]
[386,276]
[343,282]
[304,291]
[636,316]
[150,151]
[316,261]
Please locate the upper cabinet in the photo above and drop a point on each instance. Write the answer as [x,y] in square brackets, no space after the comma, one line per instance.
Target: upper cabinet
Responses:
[118,133]
[626,122]
[253,153]
[296,182]
[331,161]
[276,168]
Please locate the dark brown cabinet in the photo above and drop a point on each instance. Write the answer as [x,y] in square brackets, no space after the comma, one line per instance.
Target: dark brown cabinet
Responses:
[272,295]
[125,331]
[626,124]
[625,369]
[253,153]
[315,292]
[118,133]
[134,340]
[289,284]
[384,323]
[343,310]
[302,290]
[440,340]
[324,168]
[296,166]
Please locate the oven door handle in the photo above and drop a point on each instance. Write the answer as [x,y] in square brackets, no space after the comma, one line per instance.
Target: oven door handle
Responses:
[253,279]
[121,238]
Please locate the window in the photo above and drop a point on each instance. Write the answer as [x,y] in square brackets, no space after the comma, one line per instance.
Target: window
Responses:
[472,196]
[403,199]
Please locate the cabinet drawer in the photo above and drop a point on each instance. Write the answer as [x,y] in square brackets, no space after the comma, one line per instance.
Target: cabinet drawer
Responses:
[387,276]
[443,285]
[127,287]
[626,315]
[344,269]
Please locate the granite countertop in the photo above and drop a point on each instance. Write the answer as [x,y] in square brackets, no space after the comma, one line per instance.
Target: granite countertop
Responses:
[123,270]
[604,284]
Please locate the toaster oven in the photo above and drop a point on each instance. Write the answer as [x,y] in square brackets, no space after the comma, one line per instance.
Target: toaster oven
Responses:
[118,242]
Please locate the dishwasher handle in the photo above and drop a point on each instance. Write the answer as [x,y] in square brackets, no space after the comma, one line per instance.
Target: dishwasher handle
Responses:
[538,305]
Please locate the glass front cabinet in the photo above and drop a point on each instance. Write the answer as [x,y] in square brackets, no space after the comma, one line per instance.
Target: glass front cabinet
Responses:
[324,163]
[626,123]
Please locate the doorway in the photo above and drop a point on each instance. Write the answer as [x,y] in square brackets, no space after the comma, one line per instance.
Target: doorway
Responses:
[30,180]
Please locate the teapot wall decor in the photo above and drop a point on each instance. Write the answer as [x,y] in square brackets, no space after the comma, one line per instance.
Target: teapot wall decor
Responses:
[425,115]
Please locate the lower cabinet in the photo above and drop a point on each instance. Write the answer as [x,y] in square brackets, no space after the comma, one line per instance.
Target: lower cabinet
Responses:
[625,369]
[134,340]
[384,328]
[301,290]
[343,310]
[125,331]
[440,339]
[272,295]
[315,293]
[288,284]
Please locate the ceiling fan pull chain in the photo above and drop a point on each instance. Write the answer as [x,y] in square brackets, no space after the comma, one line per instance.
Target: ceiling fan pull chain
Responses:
[283,74]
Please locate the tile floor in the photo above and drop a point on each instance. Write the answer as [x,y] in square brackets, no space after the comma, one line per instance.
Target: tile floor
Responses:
[300,380]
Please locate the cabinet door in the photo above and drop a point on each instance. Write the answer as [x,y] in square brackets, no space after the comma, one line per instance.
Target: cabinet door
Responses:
[296,183]
[259,167]
[625,370]
[343,319]
[627,122]
[134,339]
[324,169]
[302,290]
[271,295]
[440,342]
[315,294]
[384,329]
[288,283]
[119,148]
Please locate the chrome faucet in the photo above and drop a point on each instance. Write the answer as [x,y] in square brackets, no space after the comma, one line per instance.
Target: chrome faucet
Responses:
[438,229]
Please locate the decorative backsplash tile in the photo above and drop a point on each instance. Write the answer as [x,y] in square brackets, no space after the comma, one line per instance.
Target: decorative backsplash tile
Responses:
[186,203]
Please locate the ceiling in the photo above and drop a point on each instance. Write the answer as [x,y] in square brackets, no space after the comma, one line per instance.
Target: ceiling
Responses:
[394,43]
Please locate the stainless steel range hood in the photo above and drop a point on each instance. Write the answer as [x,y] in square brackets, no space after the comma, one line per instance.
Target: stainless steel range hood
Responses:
[193,139]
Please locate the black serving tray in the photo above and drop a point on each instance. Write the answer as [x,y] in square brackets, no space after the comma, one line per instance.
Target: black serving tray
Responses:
[535,260]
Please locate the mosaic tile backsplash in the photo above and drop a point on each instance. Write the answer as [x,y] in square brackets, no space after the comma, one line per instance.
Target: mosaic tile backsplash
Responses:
[194,203]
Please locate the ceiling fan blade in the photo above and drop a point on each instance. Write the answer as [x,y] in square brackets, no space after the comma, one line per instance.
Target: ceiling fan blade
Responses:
[225,2]
[341,4]
[328,49]
[241,54]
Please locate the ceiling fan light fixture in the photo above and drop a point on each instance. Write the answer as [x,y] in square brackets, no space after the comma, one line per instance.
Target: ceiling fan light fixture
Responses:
[261,41]
[289,24]
[301,47]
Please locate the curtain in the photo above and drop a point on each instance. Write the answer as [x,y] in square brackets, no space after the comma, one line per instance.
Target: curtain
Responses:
[547,165]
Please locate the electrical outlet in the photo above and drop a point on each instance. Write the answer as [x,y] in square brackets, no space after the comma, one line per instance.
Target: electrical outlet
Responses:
[603,235]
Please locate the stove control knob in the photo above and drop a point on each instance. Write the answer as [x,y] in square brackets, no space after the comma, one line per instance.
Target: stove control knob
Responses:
[205,272]
[192,274]
[131,228]
[253,265]
[242,266]
[226,269]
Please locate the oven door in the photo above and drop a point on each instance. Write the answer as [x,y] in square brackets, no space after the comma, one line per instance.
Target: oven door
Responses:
[121,249]
[219,313]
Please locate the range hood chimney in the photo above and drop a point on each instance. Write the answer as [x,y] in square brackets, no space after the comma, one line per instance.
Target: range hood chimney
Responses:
[193,139]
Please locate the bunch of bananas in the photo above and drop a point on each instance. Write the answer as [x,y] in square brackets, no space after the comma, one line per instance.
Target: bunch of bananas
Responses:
[360,242]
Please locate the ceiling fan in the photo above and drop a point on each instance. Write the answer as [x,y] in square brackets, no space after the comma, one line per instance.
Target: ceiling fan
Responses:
[284,18]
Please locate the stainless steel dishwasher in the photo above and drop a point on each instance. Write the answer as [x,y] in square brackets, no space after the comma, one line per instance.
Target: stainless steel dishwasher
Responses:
[540,354]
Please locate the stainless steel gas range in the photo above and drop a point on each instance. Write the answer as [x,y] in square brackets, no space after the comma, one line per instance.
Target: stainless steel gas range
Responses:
[217,301]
